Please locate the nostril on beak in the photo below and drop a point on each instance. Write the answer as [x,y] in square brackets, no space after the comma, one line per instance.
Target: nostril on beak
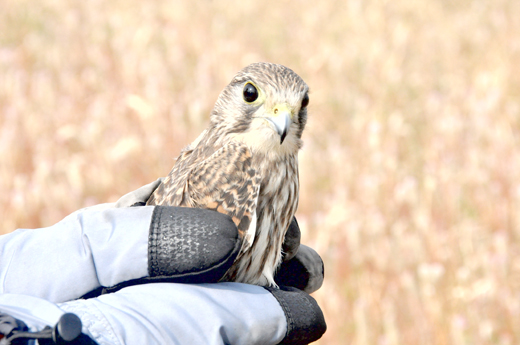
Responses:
[275,111]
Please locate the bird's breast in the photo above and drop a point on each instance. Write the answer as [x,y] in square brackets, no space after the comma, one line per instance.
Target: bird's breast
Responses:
[279,189]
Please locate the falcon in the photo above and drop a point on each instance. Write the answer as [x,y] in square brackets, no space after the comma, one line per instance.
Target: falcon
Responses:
[245,165]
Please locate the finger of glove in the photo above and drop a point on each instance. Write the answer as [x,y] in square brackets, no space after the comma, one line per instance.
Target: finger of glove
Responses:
[198,243]
[305,320]
[304,271]
[292,241]
[186,245]
[138,196]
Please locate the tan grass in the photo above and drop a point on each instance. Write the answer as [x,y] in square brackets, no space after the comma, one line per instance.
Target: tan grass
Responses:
[410,173]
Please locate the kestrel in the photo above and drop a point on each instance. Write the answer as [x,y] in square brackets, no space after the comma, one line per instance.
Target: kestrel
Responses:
[245,165]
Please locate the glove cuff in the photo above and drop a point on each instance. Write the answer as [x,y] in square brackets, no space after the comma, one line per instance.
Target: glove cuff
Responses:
[305,320]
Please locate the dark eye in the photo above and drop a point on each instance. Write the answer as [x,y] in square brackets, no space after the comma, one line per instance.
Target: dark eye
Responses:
[250,93]
[305,100]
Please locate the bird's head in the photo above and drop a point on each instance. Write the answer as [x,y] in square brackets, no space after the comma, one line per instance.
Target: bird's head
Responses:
[264,106]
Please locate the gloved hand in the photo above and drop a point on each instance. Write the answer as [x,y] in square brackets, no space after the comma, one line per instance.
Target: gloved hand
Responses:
[169,313]
[105,248]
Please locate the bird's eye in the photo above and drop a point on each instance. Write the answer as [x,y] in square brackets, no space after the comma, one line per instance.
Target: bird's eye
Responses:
[250,93]
[305,100]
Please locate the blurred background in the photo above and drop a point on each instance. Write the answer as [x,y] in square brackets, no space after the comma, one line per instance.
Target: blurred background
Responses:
[411,165]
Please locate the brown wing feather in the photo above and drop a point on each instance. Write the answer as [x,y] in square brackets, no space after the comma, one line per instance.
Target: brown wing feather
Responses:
[225,182]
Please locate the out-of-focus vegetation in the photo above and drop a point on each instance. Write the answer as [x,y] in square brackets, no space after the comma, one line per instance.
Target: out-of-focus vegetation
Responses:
[411,167]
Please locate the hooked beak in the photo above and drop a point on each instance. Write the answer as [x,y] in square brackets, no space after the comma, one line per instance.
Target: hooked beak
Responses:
[281,120]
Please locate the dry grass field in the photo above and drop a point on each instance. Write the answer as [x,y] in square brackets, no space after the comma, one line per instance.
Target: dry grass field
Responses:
[410,172]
